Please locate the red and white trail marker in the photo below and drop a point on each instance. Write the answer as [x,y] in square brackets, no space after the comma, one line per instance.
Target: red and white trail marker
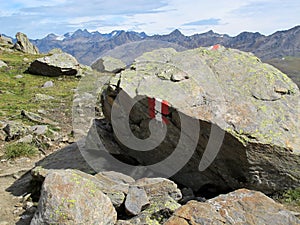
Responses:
[214,47]
[158,109]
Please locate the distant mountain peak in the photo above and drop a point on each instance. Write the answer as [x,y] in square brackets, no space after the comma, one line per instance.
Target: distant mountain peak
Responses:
[176,32]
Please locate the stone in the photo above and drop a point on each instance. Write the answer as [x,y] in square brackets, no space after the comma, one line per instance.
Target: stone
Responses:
[48,84]
[72,197]
[55,65]
[156,187]
[24,45]
[239,207]
[108,64]
[2,64]
[18,76]
[37,118]
[26,139]
[39,129]
[234,119]
[114,185]
[136,200]
[5,42]
[42,97]
[14,130]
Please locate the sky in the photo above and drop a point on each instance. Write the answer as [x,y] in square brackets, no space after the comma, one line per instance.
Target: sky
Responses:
[38,18]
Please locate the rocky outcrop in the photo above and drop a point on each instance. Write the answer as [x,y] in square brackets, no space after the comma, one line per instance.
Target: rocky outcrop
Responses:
[70,197]
[108,64]
[238,207]
[5,42]
[230,121]
[55,65]
[24,45]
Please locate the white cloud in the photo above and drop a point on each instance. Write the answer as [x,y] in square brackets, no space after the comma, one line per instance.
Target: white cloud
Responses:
[37,18]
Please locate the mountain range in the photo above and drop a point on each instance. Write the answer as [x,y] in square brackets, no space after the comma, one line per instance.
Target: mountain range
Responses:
[88,46]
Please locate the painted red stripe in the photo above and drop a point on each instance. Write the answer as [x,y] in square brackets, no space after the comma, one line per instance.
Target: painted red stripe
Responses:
[165,110]
[216,47]
[151,107]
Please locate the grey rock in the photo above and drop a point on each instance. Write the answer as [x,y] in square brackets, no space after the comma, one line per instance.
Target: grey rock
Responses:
[2,64]
[39,129]
[37,118]
[239,116]
[238,207]
[26,139]
[156,187]
[14,130]
[48,84]
[18,76]
[24,45]
[136,200]
[42,97]
[72,197]
[108,64]
[56,51]
[55,65]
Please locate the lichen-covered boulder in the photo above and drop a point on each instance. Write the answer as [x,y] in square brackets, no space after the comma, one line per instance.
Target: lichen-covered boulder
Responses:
[230,121]
[55,65]
[108,64]
[73,197]
[238,207]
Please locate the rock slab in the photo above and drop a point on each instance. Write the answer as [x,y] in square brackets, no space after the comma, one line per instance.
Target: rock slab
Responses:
[55,65]
[238,207]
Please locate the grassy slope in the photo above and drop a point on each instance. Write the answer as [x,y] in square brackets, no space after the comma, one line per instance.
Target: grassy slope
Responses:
[290,66]
[18,94]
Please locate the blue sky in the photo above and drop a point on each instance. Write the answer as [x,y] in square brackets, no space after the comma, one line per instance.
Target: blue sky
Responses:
[38,18]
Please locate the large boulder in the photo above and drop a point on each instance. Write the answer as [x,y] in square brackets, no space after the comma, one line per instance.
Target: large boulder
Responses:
[55,65]
[238,207]
[230,121]
[24,45]
[73,197]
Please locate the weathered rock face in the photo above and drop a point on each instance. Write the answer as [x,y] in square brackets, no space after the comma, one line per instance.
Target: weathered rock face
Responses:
[72,197]
[24,45]
[238,207]
[108,64]
[232,118]
[55,65]
[5,42]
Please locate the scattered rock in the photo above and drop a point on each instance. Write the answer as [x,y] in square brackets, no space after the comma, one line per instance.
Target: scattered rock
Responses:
[26,139]
[36,118]
[2,64]
[72,197]
[156,187]
[238,207]
[247,111]
[14,130]
[48,84]
[42,97]
[18,76]
[108,64]
[39,129]
[5,42]
[55,65]
[136,200]
[24,45]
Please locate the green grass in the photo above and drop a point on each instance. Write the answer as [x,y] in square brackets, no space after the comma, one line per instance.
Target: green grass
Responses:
[15,150]
[290,66]
[18,94]
[292,196]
